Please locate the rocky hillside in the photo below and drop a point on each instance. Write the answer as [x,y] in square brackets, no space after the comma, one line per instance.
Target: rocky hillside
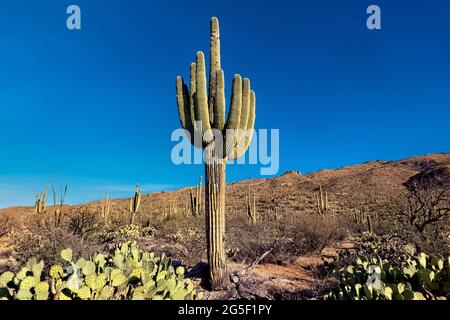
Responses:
[292,192]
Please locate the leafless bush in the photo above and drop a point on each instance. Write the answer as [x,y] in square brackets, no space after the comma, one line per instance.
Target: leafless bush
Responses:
[7,223]
[304,235]
[426,202]
[42,240]
[421,214]
[84,222]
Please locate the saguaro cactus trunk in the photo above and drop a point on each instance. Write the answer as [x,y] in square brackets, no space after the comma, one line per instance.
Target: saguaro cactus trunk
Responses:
[215,218]
[202,115]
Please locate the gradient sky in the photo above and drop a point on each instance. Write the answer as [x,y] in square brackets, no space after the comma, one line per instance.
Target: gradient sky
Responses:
[96,107]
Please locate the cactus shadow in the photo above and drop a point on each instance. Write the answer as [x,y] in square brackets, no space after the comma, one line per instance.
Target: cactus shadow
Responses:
[200,272]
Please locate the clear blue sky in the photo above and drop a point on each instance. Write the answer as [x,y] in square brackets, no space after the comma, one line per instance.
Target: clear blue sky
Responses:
[96,107]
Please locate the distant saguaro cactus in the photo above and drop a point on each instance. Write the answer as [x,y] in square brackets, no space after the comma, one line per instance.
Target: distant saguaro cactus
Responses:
[202,115]
[360,216]
[369,224]
[251,207]
[322,202]
[196,199]
[135,203]
[41,201]
[106,208]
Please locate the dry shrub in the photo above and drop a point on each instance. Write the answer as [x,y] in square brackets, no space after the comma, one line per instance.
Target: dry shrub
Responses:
[288,239]
[185,238]
[42,239]
[84,222]
[7,223]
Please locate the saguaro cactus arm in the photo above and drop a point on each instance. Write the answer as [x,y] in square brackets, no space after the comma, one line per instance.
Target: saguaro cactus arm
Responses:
[186,111]
[202,97]
[247,131]
[219,112]
[214,63]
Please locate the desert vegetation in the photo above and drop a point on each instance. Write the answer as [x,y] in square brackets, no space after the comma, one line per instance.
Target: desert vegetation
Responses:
[278,244]
[323,235]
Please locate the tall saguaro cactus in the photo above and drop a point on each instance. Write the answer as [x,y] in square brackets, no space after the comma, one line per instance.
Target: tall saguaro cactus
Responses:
[202,115]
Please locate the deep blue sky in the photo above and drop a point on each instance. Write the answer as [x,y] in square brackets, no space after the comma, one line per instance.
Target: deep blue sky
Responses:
[96,107]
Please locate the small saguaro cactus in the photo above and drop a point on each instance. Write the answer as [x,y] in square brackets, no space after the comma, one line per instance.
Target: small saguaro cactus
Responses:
[106,207]
[196,199]
[369,224]
[251,207]
[58,204]
[202,115]
[41,201]
[277,214]
[322,202]
[360,216]
[135,203]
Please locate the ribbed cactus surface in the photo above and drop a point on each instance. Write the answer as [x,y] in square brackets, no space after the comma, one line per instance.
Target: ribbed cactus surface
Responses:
[201,108]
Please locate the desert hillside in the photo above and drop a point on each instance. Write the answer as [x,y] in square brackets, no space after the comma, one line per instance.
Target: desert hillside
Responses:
[290,228]
[348,187]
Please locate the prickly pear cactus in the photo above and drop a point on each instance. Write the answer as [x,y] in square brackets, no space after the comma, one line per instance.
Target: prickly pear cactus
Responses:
[128,273]
[420,277]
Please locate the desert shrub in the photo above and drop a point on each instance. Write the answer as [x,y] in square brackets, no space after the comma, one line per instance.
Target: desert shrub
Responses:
[134,231]
[42,240]
[84,222]
[385,247]
[434,239]
[183,239]
[129,231]
[303,235]
[420,215]
[419,277]
[188,244]
[149,231]
[126,273]
[7,222]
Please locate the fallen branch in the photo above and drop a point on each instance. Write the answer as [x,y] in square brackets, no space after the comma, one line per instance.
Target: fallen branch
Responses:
[260,258]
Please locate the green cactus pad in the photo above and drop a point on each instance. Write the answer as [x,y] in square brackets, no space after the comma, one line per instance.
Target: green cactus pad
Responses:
[28,282]
[66,255]
[5,278]
[106,293]
[88,268]
[118,278]
[24,294]
[42,290]
[84,293]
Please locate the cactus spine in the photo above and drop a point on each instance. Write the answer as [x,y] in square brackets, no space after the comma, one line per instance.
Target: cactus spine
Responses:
[135,203]
[202,115]
[322,202]
[251,207]
[196,199]
[106,207]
